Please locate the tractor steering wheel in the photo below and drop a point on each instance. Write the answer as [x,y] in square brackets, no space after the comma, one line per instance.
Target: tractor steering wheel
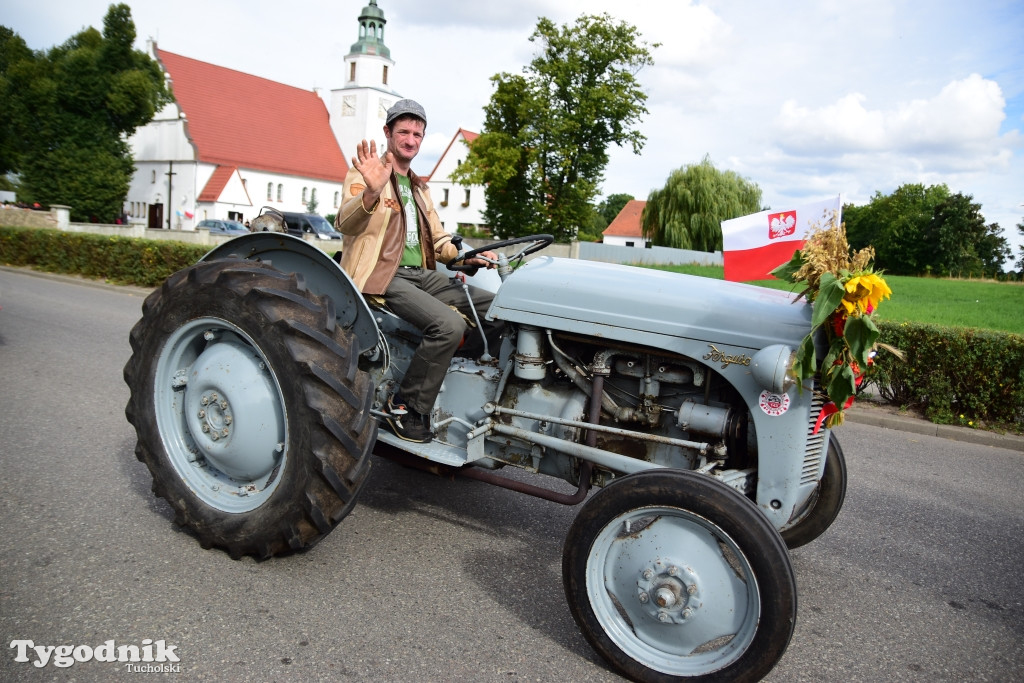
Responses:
[537,242]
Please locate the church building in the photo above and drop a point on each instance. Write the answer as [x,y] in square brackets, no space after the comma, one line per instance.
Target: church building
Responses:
[232,143]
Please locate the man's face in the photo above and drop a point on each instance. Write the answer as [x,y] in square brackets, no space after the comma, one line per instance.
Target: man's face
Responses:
[404,139]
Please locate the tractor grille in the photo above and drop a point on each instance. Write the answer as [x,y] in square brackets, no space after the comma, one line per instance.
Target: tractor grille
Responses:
[815,443]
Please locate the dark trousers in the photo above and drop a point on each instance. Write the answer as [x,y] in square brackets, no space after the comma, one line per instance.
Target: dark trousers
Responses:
[424,298]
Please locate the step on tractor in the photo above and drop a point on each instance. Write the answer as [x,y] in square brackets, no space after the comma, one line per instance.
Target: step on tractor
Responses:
[259,378]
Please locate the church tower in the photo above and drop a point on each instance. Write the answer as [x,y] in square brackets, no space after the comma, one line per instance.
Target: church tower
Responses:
[359,108]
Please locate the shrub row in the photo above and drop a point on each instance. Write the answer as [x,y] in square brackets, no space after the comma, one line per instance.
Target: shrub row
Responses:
[121,260]
[956,375]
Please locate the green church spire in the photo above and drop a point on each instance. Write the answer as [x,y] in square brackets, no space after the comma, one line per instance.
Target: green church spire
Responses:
[371,32]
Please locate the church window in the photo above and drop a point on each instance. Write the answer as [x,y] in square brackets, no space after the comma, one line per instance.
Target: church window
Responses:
[352,71]
[305,194]
[385,81]
[336,198]
[270,191]
[280,191]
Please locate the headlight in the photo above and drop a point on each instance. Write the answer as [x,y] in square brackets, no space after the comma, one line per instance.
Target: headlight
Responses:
[771,367]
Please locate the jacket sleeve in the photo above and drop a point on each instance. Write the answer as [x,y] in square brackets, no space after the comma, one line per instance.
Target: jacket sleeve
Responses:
[352,219]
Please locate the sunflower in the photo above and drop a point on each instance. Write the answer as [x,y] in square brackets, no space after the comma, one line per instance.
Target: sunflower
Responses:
[863,293]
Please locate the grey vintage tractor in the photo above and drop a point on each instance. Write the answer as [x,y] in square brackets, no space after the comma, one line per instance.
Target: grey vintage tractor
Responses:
[258,377]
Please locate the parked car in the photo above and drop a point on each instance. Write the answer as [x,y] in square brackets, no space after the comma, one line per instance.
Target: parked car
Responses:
[223,227]
[301,224]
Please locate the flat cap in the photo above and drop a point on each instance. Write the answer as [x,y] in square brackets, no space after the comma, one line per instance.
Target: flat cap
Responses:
[403,107]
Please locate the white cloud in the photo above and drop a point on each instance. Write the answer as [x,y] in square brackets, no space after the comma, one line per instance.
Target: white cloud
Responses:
[964,117]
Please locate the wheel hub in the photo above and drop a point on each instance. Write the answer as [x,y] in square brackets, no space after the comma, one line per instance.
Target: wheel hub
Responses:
[215,416]
[231,408]
[668,591]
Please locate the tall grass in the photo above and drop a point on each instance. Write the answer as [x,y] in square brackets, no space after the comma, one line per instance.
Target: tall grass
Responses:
[981,304]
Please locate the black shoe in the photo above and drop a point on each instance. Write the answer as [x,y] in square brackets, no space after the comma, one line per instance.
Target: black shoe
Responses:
[413,427]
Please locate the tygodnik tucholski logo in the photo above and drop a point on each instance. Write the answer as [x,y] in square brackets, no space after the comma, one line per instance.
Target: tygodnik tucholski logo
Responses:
[149,657]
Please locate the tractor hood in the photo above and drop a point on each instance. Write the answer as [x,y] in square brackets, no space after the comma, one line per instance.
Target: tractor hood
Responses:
[618,302]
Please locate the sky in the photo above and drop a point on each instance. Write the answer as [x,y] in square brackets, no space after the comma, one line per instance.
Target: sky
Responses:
[807,99]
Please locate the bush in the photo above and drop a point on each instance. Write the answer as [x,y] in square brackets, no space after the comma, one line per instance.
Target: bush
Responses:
[956,375]
[121,260]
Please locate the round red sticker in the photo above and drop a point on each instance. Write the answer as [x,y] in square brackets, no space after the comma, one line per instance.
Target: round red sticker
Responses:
[772,403]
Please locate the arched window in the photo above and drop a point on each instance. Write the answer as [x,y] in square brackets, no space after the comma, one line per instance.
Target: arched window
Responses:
[280,191]
[337,196]
[305,194]
[270,191]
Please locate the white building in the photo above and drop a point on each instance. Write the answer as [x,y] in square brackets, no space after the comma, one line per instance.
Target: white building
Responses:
[232,143]
[626,229]
[359,108]
[460,207]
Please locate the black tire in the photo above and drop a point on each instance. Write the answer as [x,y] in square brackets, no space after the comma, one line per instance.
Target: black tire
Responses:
[825,503]
[249,407]
[673,576]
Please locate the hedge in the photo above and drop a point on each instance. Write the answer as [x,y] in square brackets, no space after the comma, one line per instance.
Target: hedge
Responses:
[955,375]
[121,260]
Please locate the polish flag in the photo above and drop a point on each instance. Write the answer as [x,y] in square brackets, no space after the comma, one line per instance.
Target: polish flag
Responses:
[754,245]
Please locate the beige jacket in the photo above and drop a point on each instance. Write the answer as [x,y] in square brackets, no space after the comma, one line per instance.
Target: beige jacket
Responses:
[373,242]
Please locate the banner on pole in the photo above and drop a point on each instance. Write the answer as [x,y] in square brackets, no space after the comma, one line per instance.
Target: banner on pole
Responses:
[754,245]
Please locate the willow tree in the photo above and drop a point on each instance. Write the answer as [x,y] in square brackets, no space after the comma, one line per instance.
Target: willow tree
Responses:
[688,211]
[544,145]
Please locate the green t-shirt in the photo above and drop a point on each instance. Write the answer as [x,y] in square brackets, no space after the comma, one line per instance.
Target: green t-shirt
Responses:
[412,255]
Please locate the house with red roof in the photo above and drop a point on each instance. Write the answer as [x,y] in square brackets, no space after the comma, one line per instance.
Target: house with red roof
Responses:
[625,230]
[230,144]
[460,207]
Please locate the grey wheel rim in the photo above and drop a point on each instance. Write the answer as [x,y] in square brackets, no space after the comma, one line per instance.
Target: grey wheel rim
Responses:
[221,416]
[673,591]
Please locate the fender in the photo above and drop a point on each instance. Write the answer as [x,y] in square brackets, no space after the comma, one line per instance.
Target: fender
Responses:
[322,276]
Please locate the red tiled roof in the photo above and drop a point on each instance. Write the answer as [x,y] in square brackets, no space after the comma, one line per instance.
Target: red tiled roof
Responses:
[236,119]
[470,137]
[627,223]
[216,184]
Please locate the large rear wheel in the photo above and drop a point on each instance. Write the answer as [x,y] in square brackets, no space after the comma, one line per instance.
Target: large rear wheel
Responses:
[674,576]
[250,410]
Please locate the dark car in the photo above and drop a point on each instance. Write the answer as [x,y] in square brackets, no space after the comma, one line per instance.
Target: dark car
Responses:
[300,224]
[223,227]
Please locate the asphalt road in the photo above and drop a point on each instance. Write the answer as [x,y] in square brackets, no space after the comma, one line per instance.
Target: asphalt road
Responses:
[432,580]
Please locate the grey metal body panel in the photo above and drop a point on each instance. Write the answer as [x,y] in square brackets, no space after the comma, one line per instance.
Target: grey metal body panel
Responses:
[322,275]
[616,301]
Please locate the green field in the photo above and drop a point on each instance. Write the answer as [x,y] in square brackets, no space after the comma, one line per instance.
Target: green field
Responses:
[956,303]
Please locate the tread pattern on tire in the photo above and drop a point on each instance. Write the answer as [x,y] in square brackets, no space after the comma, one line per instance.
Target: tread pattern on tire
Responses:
[332,432]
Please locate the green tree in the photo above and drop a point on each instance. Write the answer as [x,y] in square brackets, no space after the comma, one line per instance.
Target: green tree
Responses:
[962,244]
[544,145]
[1020,263]
[687,213]
[13,50]
[70,112]
[899,226]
